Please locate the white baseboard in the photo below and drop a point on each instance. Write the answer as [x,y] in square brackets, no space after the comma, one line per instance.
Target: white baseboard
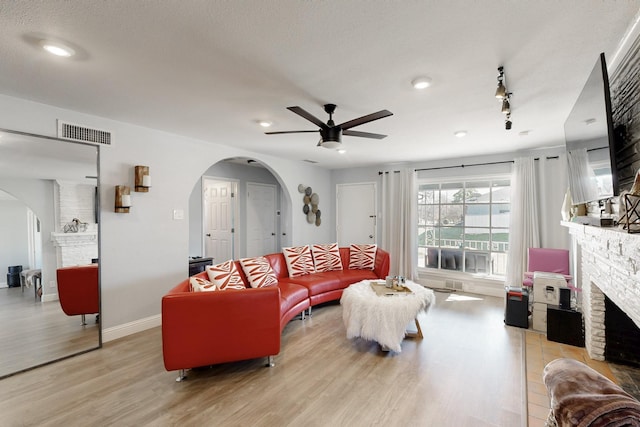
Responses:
[120,331]
[49,297]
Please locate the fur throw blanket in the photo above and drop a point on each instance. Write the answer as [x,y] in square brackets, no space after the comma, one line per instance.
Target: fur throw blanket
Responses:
[382,318]
[582,397]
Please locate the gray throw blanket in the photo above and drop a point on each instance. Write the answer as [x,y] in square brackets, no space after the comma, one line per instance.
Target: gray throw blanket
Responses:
[582,397]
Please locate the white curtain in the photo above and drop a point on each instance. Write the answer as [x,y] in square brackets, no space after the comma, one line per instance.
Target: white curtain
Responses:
[582,179]
[399,221]
[524,228]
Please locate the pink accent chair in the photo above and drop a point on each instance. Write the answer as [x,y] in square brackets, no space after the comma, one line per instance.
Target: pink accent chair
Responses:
[547,260]
[78,290]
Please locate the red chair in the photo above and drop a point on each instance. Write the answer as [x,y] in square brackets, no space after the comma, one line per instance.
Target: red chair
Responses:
[78,290]
[549,261]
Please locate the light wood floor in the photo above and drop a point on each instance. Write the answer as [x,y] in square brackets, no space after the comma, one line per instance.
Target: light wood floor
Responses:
[540,351]
[467,371]
[33,333]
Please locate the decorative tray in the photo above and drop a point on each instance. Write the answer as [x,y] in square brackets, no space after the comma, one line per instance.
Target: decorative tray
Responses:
[381,290]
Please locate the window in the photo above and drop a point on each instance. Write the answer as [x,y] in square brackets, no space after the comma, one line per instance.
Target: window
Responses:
[464,226]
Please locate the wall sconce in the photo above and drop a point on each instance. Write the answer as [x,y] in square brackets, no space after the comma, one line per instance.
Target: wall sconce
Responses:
[142,179]
[122,199]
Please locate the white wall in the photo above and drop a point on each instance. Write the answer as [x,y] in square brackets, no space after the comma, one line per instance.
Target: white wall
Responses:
[37,194]
[14,249]
[144,253]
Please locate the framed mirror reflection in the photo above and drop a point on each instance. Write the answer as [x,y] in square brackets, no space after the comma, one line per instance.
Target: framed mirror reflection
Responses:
[49,250]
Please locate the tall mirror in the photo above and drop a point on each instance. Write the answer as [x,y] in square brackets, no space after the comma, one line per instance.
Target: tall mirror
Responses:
[49,215]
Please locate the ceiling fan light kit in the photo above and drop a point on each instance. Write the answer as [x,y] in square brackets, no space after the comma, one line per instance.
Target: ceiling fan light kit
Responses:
[330,133]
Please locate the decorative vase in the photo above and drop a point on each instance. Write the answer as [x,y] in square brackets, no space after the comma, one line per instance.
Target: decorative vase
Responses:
[566,206]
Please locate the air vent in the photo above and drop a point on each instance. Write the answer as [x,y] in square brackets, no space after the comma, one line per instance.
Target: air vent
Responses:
[310,161]
[72,132]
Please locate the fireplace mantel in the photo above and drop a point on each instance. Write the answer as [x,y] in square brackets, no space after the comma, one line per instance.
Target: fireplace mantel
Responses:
[75,248]
[607,262]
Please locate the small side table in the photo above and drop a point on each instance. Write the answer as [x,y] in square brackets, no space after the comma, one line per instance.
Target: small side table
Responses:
[29,278]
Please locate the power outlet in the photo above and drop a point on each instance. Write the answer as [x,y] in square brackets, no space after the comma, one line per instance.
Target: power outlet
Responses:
[52,284]
[178,214]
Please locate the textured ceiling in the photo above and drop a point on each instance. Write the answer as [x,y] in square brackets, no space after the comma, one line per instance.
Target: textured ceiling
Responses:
[211,69]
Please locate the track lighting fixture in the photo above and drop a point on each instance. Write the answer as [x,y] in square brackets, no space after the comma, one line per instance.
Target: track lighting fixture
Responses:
[501,91]
[506,107]
[502,94]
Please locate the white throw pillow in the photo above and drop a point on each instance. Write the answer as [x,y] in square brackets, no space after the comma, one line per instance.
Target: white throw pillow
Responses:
[326,257]
[299,260]
[362,257]
[258,272]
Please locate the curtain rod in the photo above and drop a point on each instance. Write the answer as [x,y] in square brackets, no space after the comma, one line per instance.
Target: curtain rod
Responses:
[479,164]
[474,164]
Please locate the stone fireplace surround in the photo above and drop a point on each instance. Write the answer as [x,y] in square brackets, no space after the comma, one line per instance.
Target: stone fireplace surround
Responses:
[606,261]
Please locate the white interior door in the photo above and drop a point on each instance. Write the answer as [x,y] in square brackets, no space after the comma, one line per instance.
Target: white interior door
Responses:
[356,213]
[218,204]
[261,219]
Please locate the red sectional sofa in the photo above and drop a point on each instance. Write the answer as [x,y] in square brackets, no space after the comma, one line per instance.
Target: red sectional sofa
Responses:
[207,328]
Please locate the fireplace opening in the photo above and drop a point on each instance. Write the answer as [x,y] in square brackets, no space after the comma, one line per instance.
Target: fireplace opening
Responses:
[622,336]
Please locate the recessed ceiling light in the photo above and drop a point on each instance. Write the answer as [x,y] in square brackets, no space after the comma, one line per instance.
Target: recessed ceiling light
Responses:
[342,151]
[57,48]
[265,123]
[422,82]
[460,133]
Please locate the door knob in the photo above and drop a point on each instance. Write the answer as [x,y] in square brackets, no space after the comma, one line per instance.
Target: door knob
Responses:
[208,234]
[371,236]
[273,234]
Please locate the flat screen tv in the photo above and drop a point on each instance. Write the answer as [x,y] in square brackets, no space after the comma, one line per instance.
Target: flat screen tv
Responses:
[590,140]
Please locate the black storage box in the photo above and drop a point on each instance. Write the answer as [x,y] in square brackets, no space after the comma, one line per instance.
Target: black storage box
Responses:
[516,312]
[13,276]
[564,326]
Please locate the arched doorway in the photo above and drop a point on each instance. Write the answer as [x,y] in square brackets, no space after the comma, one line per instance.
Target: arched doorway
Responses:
[238,208]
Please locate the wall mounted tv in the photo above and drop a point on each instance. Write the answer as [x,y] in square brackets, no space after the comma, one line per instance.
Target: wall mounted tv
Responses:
[590,140]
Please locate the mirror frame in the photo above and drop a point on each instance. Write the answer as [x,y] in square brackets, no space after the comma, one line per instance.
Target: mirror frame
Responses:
[97,213]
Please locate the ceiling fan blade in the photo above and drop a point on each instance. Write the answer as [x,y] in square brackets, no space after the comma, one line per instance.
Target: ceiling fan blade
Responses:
[366,119]
[363,134]
[304,113]
[291,131]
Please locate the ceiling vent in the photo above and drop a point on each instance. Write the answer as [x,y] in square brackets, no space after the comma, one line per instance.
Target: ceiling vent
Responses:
[72,132]
[310,161]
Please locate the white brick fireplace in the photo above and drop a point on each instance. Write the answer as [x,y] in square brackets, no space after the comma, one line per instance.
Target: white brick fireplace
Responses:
[607,262]
[75,200]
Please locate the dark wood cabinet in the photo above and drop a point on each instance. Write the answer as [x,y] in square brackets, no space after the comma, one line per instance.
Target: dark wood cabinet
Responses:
[197,265]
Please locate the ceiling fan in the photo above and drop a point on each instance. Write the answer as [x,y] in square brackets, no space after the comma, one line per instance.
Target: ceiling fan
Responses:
[330,133]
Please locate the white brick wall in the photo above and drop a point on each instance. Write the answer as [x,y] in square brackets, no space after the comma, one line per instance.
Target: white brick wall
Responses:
[75,200]
[609,262]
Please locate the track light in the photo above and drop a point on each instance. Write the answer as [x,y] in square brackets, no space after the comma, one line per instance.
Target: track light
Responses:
[506,107]
[502,94]
[501,91]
